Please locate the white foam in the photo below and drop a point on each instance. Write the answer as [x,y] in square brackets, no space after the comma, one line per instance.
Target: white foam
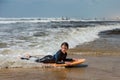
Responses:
[32,20]
[88,34]
[73,36]
[47,44]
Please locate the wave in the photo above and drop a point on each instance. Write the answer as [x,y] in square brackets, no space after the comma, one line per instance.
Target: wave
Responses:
[38,39]
[54,20]
[29,20]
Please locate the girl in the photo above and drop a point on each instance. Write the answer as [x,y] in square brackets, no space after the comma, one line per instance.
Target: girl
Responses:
[59,57]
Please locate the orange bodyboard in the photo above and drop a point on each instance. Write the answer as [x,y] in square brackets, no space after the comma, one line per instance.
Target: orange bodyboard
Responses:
[73,63]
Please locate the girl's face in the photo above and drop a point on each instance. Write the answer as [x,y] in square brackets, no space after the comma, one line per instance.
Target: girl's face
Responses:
[64,48]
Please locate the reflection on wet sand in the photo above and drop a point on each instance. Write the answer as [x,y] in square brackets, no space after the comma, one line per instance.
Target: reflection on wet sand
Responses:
[42,74]
[97,68]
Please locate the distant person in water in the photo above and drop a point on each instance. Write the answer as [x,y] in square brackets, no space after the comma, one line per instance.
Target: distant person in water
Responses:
[59,57]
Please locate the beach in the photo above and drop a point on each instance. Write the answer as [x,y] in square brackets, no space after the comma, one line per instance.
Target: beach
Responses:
[96,42]
[99,68]
[102,63]
[107,44]
[37,28]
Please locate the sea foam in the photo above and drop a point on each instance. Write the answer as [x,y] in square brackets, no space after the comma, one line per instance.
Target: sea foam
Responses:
[43,37]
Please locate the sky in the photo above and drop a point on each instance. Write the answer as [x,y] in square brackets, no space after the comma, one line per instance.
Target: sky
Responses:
[59,8]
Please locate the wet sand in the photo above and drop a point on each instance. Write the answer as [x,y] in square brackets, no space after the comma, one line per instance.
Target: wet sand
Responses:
[102,63]
[107,44]
[95,68]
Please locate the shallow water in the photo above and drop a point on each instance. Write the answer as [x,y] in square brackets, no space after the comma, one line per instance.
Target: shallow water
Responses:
[99,68]
[35,36]
[41,74]
[44,36]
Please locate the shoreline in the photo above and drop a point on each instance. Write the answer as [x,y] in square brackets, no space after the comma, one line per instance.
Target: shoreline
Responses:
[107,44]
[99,68]
[102,63]
[104,46]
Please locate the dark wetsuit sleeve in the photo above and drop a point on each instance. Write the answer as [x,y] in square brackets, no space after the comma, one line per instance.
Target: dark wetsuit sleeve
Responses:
[68,59]
[58,58]
[24,58]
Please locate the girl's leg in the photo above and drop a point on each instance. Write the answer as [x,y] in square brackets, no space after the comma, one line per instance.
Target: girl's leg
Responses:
[26,57]
[47,58]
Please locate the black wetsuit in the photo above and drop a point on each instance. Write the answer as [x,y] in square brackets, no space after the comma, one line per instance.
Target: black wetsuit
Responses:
[58,58]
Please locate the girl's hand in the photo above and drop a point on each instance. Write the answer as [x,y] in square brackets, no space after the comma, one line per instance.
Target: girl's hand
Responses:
[75,59]
[68,63]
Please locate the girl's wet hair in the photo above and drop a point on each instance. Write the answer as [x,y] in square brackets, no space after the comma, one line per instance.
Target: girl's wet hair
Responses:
[65,44]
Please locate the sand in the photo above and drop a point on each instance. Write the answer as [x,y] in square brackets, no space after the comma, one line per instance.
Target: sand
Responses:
[95,68]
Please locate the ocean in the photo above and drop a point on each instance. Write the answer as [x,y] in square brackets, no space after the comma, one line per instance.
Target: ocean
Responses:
[43,36]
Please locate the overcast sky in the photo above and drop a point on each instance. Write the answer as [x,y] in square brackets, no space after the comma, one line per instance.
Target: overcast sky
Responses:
[58,8]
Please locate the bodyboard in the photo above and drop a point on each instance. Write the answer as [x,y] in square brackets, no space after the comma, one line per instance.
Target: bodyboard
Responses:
[73,63]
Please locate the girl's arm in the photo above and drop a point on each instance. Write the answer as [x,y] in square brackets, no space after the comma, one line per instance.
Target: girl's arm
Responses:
[57,58]
[69,59]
